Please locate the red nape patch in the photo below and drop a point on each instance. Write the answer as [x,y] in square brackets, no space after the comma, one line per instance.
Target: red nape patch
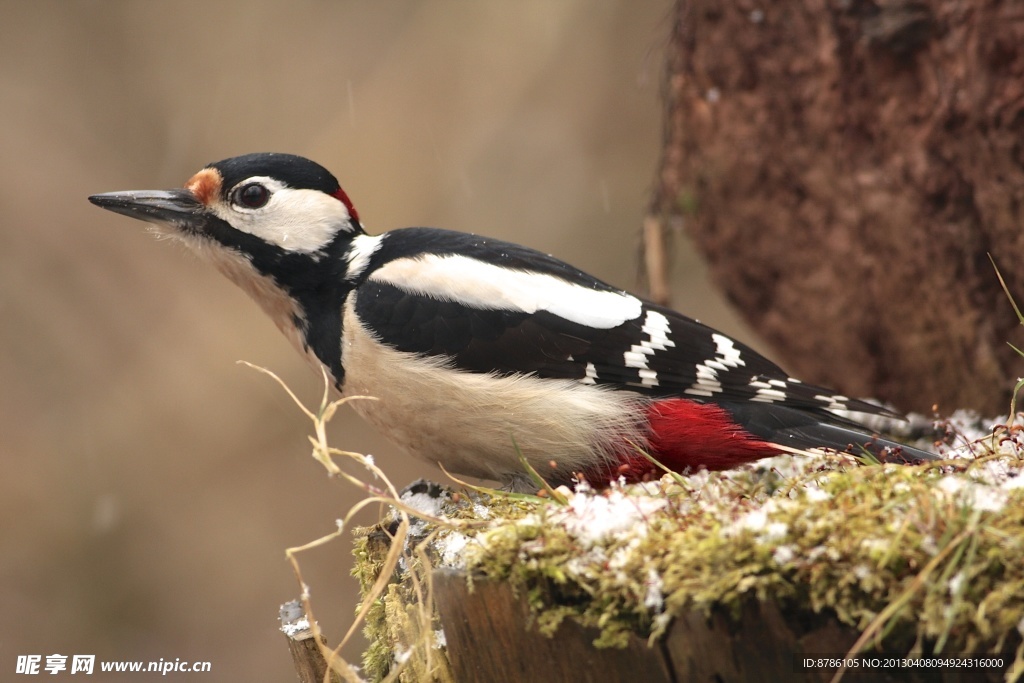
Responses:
[343,198]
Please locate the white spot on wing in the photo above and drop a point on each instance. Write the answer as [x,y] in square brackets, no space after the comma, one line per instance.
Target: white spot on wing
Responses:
[768,390]
[726,356]
[648,378]
[769,395]
[491,287]
[833,402]
[591,376]
[656,328]
[726,351]
[707,383]
[635,357]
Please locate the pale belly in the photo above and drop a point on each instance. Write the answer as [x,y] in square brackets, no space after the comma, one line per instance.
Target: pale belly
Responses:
[475,424]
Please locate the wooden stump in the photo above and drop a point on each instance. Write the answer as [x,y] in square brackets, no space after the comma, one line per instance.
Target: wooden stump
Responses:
[490,639]
[729,577]
[310,665]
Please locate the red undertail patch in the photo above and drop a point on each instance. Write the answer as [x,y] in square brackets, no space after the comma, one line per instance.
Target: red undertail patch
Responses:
[690,434]
[687,436]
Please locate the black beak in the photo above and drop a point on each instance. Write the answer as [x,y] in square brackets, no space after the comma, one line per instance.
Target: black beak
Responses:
[179,208]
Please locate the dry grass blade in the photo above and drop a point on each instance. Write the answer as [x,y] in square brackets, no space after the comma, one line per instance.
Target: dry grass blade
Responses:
[876,626]
[538,480]
[1020,316]
[389,495]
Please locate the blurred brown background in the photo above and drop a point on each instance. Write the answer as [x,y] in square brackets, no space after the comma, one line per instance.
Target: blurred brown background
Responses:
[150,484]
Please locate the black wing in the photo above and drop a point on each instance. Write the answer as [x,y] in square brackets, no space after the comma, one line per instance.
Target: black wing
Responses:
[658,352]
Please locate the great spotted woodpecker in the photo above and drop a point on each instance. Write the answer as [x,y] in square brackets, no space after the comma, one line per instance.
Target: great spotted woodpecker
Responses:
[479,350]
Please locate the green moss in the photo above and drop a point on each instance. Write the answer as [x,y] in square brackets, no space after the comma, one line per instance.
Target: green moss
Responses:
[368,564]
[926,554]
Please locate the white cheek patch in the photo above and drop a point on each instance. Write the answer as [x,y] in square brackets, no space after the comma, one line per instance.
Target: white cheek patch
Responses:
[300,221]
[489,287]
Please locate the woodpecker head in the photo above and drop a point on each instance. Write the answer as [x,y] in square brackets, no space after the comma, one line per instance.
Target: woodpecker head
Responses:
[277,225]
[265,207]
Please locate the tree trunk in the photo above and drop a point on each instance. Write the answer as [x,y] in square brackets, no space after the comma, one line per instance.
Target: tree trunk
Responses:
[846,168]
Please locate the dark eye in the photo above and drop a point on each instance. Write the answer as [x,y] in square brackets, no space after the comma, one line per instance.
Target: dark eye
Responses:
[252,196]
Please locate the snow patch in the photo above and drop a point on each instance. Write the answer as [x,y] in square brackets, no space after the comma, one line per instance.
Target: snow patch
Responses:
[654,600]
[783,554]
[451,546]
[973,494]
[594,518]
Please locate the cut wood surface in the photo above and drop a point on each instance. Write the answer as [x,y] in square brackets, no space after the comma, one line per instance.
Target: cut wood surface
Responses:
[490,638]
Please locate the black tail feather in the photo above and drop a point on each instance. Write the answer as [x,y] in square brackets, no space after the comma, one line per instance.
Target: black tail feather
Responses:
[845,439]
[805,429]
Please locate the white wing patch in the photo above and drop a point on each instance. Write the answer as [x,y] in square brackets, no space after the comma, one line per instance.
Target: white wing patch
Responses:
[656,327]
[487,286]
[358,255]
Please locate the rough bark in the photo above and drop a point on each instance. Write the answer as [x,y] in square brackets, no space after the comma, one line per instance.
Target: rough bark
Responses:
[846,167]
